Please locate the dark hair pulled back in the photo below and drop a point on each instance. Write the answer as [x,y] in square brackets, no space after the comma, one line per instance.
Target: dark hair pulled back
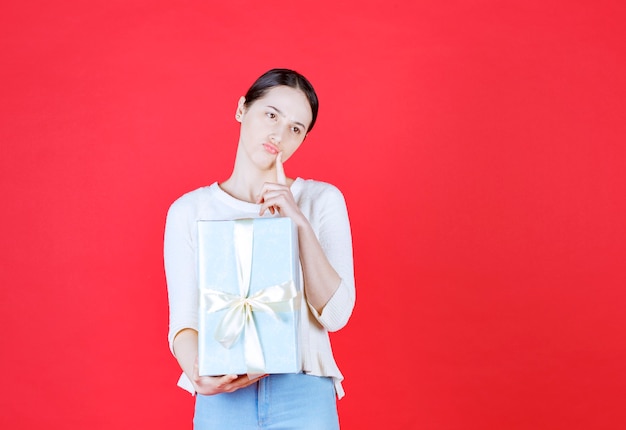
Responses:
[289,78]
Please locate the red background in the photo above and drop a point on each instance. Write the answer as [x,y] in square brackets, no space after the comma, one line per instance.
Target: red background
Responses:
[480,147]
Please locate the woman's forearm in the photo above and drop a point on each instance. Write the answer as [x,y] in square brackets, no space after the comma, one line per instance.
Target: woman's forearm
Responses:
[186,350]
[320,278]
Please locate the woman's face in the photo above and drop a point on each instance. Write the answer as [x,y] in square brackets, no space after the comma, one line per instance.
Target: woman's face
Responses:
[276,122]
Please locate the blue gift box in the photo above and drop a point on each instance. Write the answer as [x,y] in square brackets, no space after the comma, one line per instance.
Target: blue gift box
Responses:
[250,297]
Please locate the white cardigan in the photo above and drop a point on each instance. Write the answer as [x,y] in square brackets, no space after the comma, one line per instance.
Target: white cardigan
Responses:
[325,208]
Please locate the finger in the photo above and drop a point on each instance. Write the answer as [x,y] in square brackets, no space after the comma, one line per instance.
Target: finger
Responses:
[227,379]
[267,207]
[267,186]
[275,197]
[280,170]
[246,380]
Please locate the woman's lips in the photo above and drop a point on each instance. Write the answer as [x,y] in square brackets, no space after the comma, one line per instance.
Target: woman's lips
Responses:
[272,149]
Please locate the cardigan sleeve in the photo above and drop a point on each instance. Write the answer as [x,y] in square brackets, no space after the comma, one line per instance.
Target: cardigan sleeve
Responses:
[331,223]
[179,255]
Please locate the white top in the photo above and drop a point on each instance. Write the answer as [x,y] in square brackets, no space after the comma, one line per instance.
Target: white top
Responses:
[323,205]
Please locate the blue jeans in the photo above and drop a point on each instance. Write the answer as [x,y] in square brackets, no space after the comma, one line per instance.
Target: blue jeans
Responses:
[286,402]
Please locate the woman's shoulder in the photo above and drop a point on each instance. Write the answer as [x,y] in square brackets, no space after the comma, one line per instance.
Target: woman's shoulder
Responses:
[192,199]
[312,189]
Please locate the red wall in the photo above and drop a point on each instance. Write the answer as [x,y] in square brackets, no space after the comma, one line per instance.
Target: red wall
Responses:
[480,147]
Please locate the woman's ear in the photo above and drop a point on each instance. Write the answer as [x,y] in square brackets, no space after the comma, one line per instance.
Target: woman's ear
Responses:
[241,108]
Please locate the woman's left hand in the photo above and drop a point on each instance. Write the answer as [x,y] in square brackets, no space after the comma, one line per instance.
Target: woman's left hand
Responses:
[278,197]
[321,280]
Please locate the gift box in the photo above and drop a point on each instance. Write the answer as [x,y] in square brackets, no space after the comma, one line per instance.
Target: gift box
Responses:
[250,296]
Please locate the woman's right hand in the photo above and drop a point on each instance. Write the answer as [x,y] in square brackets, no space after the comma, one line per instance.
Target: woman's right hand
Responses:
[186,352]
[209,385]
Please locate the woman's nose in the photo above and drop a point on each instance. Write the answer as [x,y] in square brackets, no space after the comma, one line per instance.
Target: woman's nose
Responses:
[276,136]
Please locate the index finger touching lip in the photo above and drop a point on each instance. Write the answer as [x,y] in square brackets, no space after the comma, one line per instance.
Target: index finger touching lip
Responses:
[280,170]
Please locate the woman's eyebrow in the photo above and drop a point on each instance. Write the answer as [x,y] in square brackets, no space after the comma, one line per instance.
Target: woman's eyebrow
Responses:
[279,112]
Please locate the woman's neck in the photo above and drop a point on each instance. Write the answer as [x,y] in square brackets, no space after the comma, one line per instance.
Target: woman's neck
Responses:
[245,187]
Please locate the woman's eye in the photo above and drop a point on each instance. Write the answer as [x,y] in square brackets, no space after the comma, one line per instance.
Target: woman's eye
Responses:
[271,115]
[296,130]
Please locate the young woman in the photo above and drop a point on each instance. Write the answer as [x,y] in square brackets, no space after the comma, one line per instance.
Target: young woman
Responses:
[276,114]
